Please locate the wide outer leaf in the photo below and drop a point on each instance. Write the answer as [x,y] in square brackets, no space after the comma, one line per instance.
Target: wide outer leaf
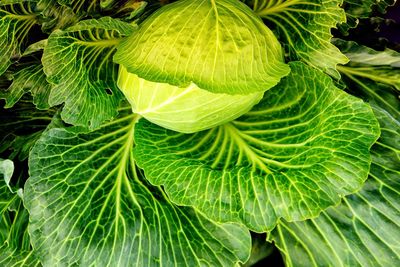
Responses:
[221,46]
[364,230]
[89,205]
[299,151]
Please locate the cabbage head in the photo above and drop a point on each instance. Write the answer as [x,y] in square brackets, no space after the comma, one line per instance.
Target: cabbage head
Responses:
[195,64]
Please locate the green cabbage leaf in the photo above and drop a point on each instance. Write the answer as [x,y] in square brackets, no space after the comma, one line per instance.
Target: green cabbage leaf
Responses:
[301,149]
[221,46]
[90,204]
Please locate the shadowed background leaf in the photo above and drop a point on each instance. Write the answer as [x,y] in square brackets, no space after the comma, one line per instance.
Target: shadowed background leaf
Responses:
[17,19]
[15,249]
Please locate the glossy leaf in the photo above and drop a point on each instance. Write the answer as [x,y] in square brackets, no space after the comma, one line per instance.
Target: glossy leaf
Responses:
[78,61]
[362,76]
[305,27]
[16,21]
[90,205]
[6,171]
[364,229]
[375,66]
[30,78]
[15,249]
[362,9]
[221,46]
[296,153]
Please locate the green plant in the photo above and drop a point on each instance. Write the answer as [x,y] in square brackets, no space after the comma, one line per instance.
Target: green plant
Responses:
[150,133]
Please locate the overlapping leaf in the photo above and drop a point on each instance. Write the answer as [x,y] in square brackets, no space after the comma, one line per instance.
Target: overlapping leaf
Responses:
[363,76]
[16,20]
[356,9]
[15,249]
[26,75]
[363,9]
[21,126]
[296,153]
[381,67]
[364,229]
[359,54]
[260,250]
[84,8]
[54,16]
[93,8]
[78,61]
[29,79]
[90,205]
[305,27]
[6,172]
[221,46]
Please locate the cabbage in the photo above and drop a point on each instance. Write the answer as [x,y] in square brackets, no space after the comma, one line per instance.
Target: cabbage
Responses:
[190,71]
[183,109]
